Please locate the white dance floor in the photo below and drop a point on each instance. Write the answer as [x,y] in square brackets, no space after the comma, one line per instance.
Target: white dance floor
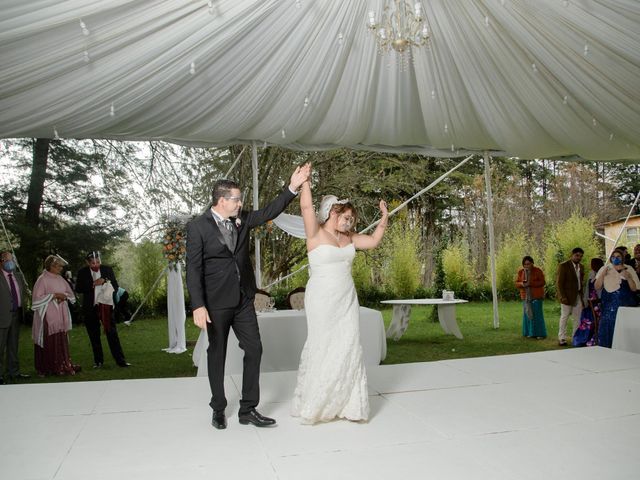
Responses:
[553,415]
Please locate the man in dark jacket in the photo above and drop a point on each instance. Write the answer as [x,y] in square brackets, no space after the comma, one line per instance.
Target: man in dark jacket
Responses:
[222,287]
[96,283]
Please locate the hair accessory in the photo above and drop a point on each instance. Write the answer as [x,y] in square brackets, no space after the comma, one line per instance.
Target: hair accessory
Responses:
[328,201]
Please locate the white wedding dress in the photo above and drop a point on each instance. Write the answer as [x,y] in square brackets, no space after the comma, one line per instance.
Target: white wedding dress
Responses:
[332,381]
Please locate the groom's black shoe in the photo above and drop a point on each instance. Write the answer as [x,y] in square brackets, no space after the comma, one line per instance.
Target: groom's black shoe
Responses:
[219,420]
[254,418]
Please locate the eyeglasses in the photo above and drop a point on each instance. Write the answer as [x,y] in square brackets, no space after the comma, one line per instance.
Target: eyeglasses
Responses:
[348,219]
[235,199]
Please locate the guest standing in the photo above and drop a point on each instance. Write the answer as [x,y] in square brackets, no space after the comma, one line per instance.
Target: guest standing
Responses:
[587,333]
[52,320]
[569,287]
[618,282]
[530,281]
[12,289]
[97,283]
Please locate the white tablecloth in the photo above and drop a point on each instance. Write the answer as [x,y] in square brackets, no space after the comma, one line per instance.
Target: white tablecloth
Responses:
[626,335]
[283,334]
[402,312]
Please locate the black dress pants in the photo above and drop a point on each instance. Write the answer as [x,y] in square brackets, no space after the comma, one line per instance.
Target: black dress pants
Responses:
[93,325]
[245,325]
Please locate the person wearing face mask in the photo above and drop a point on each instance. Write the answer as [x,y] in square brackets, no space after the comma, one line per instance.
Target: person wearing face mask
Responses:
[96,283]
[618,282]
[12,288]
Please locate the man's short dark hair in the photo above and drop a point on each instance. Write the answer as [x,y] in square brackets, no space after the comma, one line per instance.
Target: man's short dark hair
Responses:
[222,188]
[577,250]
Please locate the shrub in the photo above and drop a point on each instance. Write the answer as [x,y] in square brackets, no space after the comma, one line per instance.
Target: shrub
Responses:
[514,246]
[401,248]
[458,269]
[561,238]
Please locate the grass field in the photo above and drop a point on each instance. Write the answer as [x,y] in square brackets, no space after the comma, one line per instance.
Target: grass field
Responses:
[424,341]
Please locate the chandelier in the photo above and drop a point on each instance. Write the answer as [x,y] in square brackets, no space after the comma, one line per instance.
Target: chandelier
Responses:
[401,27]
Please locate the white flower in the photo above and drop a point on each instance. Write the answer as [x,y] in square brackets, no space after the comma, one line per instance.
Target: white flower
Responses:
[238,222]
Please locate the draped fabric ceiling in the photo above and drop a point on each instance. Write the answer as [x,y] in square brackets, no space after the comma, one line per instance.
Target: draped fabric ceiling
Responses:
[526,78]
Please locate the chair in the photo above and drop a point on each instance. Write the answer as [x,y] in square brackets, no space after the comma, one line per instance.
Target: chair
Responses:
[295,299]
[262,301]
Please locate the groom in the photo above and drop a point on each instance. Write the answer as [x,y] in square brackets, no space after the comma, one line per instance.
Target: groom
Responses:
[222,287]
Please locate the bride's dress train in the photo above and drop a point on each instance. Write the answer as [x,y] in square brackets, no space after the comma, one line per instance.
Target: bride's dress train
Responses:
[332,381]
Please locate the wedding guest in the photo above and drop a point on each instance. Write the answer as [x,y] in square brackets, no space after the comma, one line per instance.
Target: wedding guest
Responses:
[569,288]
[635,263]
[618,282]
[96,283]
[530,281]
[52,320]
[587,333]
[12,288]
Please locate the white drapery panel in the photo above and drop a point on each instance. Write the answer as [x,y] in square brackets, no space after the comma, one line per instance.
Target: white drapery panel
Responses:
[176,314]
[542,78]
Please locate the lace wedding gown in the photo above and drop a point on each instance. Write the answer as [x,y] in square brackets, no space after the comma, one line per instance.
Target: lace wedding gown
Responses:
[332,382]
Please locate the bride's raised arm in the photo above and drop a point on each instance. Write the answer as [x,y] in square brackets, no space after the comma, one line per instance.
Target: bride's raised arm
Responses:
[308,213]
[368,242]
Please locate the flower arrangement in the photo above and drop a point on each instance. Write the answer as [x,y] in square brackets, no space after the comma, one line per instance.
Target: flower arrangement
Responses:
[174,243]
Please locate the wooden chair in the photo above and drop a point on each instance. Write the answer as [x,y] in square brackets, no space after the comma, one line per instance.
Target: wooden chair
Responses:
[295,299]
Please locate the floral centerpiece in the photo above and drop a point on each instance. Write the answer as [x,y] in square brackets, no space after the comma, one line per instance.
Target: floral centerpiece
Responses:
[174,242]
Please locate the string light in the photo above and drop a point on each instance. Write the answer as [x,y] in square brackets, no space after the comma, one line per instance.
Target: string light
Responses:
[112,110]
[611,137]
[564,100]
[340,38]
[306,102]
[446,128]
[594,122]
[87,59]
[284,134]
[55,134]
[586,50]
[298,5]
[486,21]
[534,68]
[433,94]
[192,68]
[85,30]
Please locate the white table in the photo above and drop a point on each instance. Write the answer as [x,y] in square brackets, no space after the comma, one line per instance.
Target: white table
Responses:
[402,311]
[283,333]
[626,335]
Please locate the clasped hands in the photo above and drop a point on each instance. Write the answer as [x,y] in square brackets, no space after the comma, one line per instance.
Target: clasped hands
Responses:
[60,297]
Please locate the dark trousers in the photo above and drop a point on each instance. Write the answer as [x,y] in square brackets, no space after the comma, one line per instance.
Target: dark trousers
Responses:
[9,343]
[245,325]
[93,325]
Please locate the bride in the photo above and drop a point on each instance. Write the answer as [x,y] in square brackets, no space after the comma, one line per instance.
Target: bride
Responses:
[332,382]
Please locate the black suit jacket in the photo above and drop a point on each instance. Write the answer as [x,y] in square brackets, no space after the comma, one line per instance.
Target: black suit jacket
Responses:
[212,269]
[84,284]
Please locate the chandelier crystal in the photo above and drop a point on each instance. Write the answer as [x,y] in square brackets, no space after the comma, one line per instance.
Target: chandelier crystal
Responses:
[400,28]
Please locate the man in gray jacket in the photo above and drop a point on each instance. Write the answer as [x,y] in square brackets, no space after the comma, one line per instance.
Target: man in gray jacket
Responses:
[12,288]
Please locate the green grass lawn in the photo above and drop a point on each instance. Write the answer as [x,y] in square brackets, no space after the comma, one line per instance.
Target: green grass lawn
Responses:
[424,341]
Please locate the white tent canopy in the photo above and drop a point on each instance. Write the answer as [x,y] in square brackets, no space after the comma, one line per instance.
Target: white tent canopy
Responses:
[543,78]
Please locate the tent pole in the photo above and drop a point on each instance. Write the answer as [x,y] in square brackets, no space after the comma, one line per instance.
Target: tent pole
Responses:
[254,168]
[492,241]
